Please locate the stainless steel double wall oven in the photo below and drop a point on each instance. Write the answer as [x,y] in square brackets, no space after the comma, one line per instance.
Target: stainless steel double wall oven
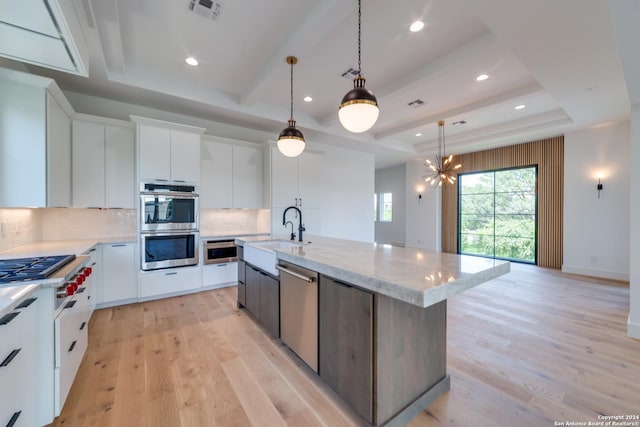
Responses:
[169,225]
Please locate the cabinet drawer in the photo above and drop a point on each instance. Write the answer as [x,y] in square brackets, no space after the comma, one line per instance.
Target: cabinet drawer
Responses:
[70,348]
[219,274]
[171,281]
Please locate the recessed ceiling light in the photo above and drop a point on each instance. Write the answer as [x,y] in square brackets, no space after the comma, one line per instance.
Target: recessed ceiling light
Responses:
[416,26]
[308,99]
[191,61]
[418,134]
[519,107]
[482,77]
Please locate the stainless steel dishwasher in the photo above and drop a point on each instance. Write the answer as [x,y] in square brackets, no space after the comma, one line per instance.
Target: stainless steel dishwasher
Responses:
[299,311]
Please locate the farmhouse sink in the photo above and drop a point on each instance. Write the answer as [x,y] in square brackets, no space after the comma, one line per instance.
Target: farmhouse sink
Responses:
[263,255]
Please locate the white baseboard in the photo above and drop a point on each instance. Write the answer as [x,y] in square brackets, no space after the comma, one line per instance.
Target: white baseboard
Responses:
[613,275]
[633,329]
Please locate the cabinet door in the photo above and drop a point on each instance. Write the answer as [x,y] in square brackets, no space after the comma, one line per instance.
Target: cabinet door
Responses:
[247,178]
[252,291]
[346,343]
[310,180]
[154,145]
[270,304]
[216,190]
[185,156]
[118,272]
[119,168]
[88,165]
[284,179]
[58,155]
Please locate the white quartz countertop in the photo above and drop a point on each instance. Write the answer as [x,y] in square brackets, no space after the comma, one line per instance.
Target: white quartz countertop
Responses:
[418,277]
[61,247]
[12,293]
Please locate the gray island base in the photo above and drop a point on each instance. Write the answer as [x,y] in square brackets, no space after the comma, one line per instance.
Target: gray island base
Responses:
[382,315]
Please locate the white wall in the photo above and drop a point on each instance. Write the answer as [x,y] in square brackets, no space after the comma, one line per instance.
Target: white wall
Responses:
[633,327]
[596,231]
[392,180]
[422,225]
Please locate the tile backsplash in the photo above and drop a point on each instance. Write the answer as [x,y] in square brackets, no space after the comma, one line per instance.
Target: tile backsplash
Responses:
[23,226]
[228,222]
[70,224]
[19,227]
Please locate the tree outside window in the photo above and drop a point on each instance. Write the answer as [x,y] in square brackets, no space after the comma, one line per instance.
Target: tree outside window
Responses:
[497,214]
[386,207]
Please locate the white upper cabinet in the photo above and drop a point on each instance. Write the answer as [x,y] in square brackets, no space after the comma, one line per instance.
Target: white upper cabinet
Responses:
[154,145]
[296,181]
[103,165]
[119,167]
[167,151]
[216,188]
[58,155]
[185,156]
[35,142]
[88,165]
[247,177]
[231,175]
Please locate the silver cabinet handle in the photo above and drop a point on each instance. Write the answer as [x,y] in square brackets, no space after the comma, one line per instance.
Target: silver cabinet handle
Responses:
[171,274]
[296,274]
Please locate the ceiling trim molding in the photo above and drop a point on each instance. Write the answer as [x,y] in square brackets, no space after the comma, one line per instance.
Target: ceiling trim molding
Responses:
[496,99]
[503,130]
[319,24]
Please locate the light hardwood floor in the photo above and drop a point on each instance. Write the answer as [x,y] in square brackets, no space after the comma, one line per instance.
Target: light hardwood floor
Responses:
[528,349]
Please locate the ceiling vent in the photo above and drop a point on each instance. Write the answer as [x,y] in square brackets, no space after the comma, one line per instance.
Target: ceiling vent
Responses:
[350,73]
[207,8]
[417,103]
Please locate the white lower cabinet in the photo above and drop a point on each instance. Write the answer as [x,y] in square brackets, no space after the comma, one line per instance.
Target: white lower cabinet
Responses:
[18,373]
[118,274]
[170,281]
[219,275]
[71,341]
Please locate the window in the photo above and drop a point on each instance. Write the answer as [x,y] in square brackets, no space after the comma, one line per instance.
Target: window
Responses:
[497,214]
[386,207]
[375,206]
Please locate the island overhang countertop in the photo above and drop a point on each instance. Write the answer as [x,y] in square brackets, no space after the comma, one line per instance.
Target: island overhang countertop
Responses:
[416,276]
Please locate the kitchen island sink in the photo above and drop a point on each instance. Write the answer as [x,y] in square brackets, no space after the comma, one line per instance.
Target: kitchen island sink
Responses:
[262,254]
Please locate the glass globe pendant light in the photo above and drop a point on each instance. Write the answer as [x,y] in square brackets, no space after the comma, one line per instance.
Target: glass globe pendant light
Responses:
[291,141]
[359,109]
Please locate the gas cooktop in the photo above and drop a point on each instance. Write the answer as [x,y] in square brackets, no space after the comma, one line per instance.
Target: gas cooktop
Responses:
[22,269]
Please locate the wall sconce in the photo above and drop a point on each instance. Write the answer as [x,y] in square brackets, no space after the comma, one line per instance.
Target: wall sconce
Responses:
[599,187]
[419,197]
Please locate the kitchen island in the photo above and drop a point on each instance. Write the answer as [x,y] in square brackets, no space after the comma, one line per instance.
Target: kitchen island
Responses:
[382,319]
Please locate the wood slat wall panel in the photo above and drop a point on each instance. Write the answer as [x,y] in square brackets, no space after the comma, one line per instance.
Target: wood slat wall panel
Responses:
[548,155]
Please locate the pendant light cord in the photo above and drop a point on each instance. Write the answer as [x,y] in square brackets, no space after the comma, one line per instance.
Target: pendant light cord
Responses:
[359,35]
[291,91]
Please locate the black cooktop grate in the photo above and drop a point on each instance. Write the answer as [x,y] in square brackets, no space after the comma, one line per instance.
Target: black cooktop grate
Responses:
[37,268]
